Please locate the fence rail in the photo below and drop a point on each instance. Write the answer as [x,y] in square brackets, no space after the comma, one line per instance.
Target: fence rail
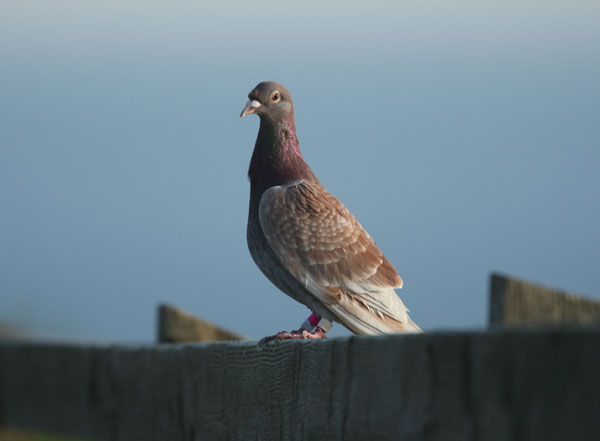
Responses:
[500,385]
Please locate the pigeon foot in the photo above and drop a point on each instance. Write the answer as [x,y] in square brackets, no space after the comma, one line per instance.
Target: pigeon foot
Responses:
[299,334]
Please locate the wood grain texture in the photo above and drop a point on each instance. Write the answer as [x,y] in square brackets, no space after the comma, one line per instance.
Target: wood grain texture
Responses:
[517,303]
[517,385]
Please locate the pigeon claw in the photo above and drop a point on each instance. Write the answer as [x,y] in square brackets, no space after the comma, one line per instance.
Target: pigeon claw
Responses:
[299,334]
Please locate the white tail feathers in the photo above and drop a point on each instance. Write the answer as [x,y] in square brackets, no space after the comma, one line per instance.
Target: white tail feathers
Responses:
[364,322]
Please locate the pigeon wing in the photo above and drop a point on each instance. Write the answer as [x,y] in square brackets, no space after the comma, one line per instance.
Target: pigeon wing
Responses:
[325,248]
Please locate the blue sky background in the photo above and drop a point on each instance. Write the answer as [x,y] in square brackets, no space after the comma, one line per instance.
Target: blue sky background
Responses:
[464,136]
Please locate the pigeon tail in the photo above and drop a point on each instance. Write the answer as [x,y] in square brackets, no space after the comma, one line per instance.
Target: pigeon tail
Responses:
[362,318]
[414,327]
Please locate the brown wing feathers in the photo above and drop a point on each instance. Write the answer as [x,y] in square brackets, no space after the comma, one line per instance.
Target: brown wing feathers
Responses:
[313,228]
[319,241]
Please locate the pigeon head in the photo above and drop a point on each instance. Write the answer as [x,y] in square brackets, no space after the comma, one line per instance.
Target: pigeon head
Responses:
[269,100]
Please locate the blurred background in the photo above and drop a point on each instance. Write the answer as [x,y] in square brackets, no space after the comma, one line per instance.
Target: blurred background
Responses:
[463,136]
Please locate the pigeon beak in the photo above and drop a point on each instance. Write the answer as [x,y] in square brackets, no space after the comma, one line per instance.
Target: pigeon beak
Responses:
[251,107]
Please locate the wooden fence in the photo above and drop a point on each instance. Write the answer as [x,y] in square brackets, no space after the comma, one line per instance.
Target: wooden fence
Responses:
[503,384]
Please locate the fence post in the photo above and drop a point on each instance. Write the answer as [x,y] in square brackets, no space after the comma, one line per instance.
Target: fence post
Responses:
[518,303]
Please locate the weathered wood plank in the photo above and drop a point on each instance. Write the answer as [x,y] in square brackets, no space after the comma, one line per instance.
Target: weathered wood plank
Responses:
[10,434]
[517,385]
[178,326]
[515,303]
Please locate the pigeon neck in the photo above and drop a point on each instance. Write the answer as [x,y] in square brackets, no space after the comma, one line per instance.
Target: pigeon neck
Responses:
[277,159]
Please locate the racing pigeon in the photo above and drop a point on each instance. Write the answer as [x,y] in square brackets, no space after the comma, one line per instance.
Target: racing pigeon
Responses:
[306,241]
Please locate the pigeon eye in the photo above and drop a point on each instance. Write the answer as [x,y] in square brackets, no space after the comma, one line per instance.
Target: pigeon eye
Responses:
[275,97]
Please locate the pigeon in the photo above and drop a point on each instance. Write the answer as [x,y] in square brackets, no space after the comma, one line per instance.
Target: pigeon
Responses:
[305,240]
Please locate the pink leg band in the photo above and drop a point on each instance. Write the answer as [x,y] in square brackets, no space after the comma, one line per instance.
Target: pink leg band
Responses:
[314,321]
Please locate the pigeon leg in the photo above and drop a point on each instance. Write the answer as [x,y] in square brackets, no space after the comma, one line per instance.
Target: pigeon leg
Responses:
[299,334]
[313,327]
